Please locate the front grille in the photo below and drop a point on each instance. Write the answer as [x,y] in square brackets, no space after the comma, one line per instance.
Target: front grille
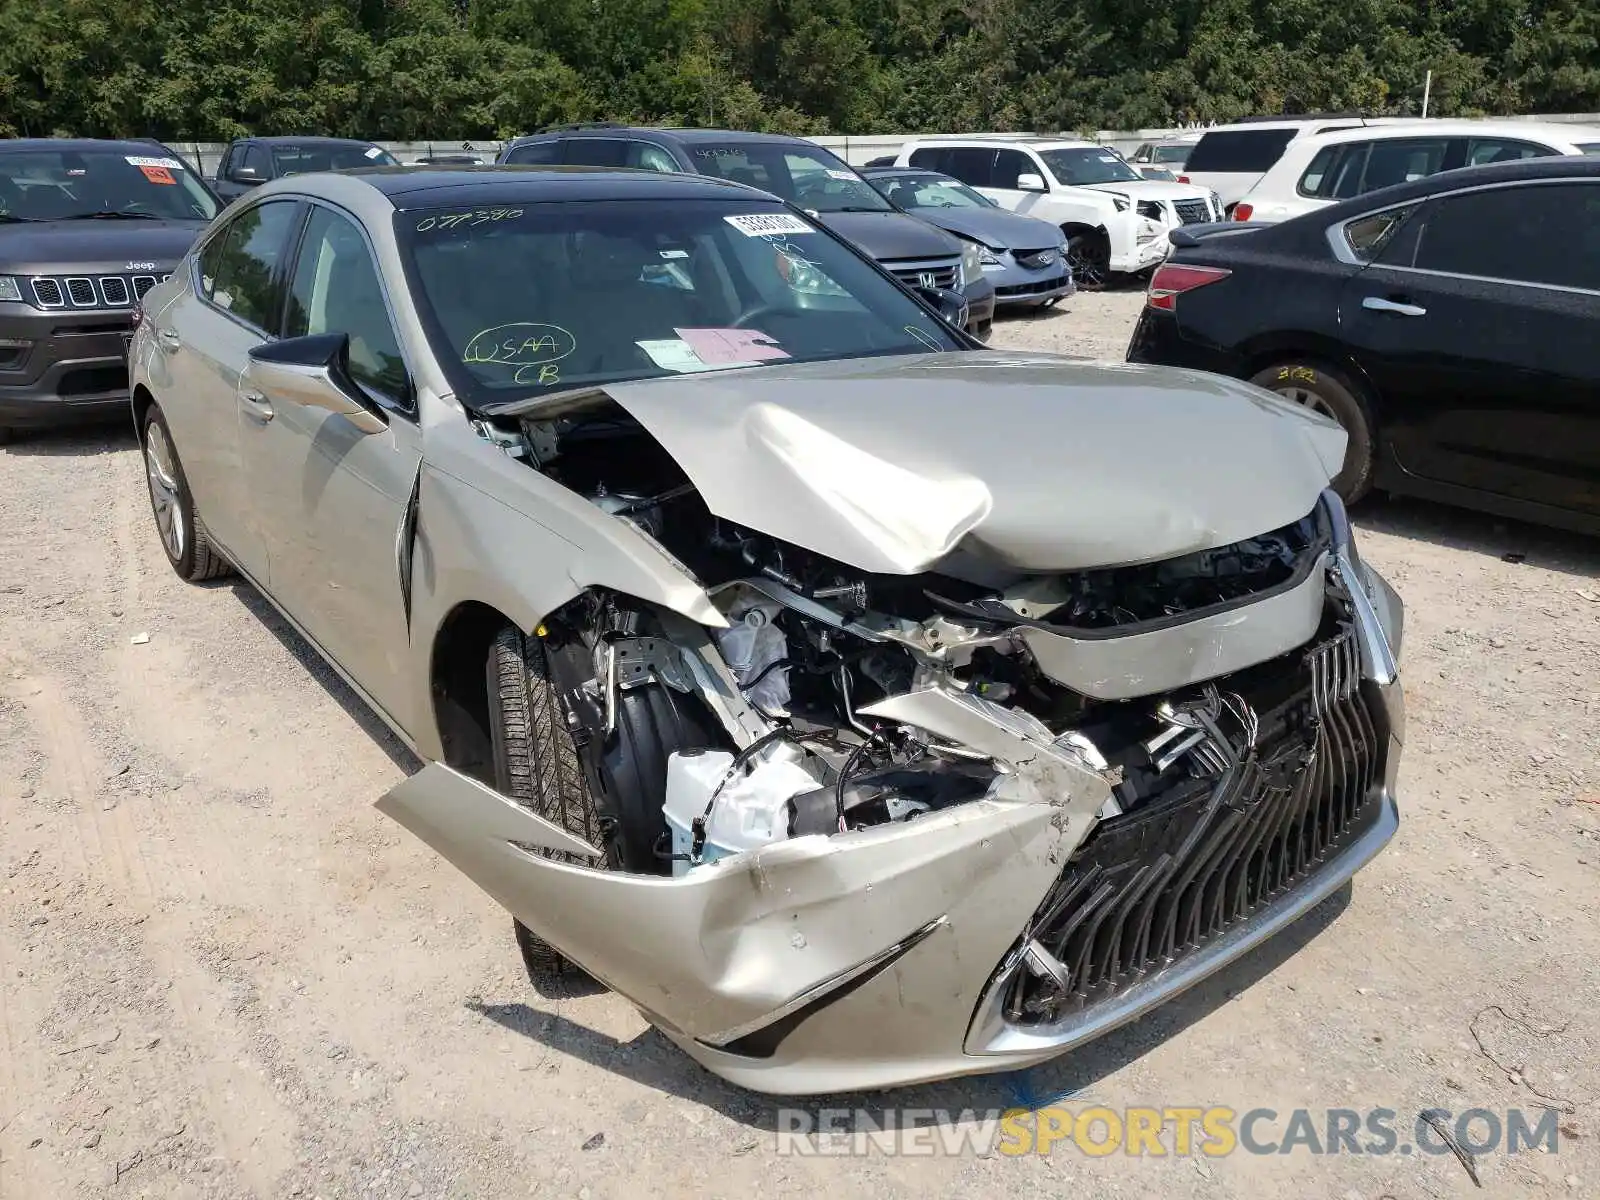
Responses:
[1154,885]
[1192,212]
[114,291]
[939,274]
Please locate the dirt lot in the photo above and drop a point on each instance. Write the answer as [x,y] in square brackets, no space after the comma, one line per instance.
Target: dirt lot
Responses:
[223,974]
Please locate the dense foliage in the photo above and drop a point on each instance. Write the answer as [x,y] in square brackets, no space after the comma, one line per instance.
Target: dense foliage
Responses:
[408,69]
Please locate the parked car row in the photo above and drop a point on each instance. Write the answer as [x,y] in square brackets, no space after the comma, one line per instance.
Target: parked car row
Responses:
[1447,323]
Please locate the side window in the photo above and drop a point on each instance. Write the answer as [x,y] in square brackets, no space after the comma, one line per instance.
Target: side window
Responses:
[933,158]
[973,165]
[225,166]
[1145,153]
[1008,164]
[646,157]
[535,152]
[244,278]
[1344,179]
[1541,233]
[1492,150]
[335,289]
[1318,177]
[1402,160]
[597,152]
[210,257]
[256,156]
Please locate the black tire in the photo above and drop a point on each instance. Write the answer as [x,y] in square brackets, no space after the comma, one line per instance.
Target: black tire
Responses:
[179,526]
[1090,259]
[536,762]
[1331,392]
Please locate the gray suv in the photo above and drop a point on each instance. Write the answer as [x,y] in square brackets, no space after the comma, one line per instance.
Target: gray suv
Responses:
[799,171]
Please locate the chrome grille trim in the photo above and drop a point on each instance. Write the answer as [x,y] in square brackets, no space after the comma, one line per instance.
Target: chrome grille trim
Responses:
[142,284]
[80,290]
[47,293]
[114,290]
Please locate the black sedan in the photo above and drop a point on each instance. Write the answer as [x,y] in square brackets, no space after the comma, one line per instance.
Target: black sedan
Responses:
[1448,324]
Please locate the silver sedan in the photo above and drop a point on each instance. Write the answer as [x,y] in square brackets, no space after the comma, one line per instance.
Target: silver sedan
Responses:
[866,706]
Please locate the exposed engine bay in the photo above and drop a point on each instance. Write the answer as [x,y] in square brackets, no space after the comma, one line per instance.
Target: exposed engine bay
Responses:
[849,699]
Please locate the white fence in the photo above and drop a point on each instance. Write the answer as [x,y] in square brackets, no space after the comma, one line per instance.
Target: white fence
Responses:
[855,150]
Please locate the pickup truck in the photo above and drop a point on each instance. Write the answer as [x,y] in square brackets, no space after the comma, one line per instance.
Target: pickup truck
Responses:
[250,162]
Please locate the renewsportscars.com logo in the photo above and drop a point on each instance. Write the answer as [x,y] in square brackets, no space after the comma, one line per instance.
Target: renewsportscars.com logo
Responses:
[1215,1131]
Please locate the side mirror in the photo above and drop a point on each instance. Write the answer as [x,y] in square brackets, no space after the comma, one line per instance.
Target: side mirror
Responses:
[314,372]
[952,306]
[1028,181]
[247,175]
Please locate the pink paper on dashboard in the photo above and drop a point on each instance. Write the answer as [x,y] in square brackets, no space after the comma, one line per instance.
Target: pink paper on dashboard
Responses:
[718,347]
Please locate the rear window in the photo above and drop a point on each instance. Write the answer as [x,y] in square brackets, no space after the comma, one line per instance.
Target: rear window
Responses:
[1240,150]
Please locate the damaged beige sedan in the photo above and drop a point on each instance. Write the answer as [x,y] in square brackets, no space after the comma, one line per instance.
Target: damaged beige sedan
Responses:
[865,706]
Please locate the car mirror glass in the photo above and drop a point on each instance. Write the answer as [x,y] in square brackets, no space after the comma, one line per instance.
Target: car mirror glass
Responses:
[1028,181]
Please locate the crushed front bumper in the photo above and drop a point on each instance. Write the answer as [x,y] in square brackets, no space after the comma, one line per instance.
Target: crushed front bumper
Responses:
[961,942]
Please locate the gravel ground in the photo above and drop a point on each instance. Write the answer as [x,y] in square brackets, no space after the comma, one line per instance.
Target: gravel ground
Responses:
[223,974]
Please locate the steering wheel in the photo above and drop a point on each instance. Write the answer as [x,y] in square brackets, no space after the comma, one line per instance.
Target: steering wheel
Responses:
[758,309]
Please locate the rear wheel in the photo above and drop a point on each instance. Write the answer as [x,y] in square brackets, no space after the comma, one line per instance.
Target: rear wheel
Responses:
[182,532]
[1328,391]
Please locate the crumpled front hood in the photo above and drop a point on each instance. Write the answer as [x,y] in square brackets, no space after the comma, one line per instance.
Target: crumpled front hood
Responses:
[1026,462]
[1153,189]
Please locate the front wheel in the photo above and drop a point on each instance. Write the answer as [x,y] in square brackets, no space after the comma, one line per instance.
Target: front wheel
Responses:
[183,534]
[536,762]
[1090,260]
[1326,390]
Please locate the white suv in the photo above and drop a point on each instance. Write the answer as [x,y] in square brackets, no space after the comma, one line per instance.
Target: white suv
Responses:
[1328,167]
[1114,220]
[1229,159]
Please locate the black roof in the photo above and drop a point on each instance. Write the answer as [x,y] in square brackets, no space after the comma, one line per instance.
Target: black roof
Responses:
[411,185]
[129,145]
[685,134]
[309,140]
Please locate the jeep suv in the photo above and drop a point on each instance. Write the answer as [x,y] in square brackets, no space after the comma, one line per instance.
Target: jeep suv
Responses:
[797,170]
[250,162]
[86,229]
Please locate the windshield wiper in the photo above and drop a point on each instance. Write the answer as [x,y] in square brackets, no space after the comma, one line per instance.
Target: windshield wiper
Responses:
[7,219]
[110,215]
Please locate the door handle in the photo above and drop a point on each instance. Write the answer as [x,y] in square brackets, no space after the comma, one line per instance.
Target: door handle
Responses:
[256,405]
[169,339]
[1399,309]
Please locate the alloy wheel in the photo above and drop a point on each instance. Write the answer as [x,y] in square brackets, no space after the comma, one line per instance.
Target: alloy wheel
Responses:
[166,498]
[1307,399]
[1088,267]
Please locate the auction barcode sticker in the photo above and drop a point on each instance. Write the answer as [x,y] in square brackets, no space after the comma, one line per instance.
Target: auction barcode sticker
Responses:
[170,164]
[763,224]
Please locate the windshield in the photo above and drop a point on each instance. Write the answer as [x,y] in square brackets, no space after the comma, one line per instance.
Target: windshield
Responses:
[929,191]
[1090,164]
[60,185]
[298,160]
[520,301]
[809,178]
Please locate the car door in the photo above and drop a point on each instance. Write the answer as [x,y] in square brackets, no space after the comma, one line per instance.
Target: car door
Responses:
[330,493]
[226,186]
[231,305]
[1477,324]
